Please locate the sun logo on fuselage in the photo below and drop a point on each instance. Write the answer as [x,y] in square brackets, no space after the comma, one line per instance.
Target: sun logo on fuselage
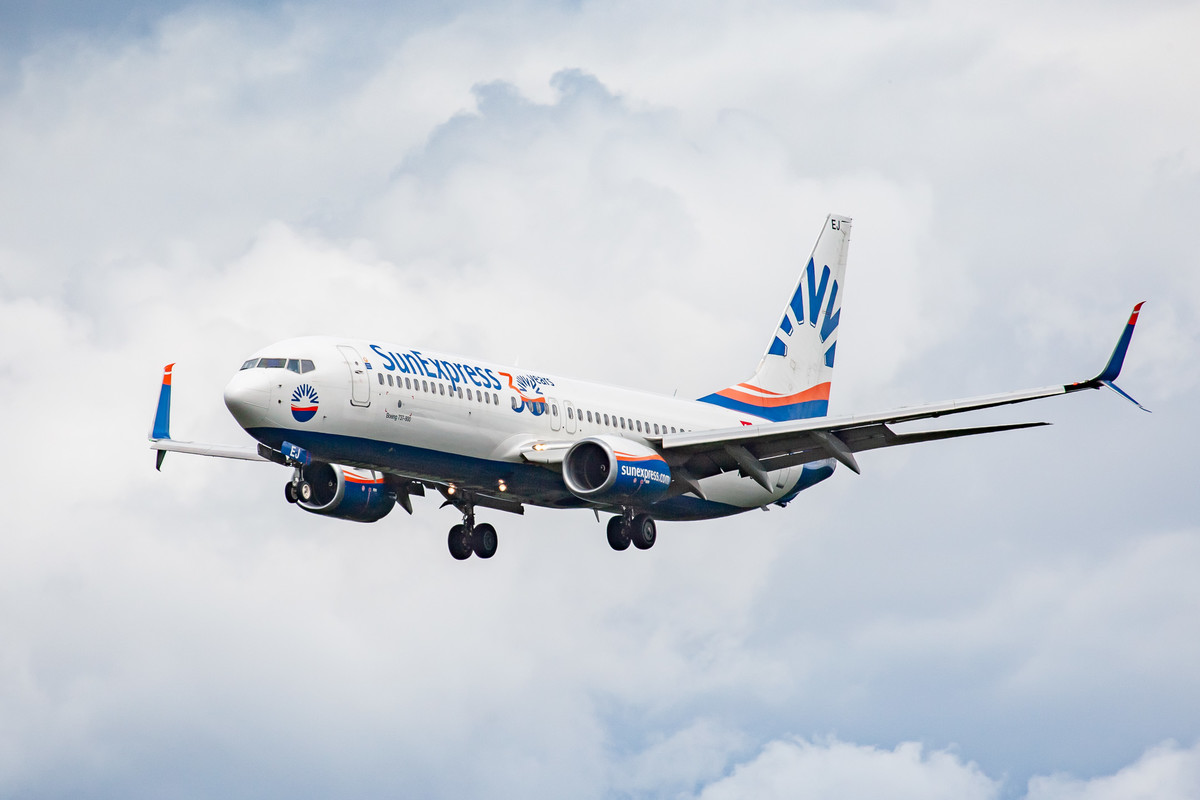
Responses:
[304,403]
[810,296]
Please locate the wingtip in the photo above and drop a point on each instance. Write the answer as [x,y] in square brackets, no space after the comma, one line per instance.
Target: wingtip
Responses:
[1112,370]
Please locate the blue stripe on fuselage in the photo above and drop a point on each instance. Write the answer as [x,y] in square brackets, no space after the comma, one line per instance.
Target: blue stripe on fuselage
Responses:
[526,482]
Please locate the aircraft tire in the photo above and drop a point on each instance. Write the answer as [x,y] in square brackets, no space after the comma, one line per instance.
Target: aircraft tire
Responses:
[643,532]
[618,537]
[289,492]
[484,541]
[305,491]
[460,542]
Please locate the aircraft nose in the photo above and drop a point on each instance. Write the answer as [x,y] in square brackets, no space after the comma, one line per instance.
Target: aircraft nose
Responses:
[247,397]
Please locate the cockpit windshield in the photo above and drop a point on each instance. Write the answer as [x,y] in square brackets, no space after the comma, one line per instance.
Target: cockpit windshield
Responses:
[297,365]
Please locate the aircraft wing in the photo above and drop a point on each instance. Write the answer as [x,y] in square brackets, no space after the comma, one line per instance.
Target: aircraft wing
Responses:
[756,450]
[243,452]
[161,441]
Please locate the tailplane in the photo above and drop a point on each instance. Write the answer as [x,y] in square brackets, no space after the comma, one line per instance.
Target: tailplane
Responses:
[793,378]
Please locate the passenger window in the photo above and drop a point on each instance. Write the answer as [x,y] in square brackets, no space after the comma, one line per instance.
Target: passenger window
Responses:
[639,426]
[554,410]
[570,413]
[469,395]
[622,423]
[489,399]
[424,386]
[656,429]
[606,419]
[460,393]
[407,384]
[381,379]
[589,416]
[306,365]
[441,388]
[672,429]
[389,379]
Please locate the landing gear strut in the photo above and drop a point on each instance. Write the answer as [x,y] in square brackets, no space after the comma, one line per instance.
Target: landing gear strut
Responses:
[629,528]
[467,537]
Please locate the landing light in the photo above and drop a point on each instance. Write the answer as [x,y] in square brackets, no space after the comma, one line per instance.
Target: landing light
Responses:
[539,446]
[451,489]
[503,486]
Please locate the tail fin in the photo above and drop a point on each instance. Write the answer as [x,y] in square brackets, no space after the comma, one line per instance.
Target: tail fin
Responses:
[793,378]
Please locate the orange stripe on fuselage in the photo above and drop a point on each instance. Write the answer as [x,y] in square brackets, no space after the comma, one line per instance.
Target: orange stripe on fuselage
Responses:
[353,478]
[818,392]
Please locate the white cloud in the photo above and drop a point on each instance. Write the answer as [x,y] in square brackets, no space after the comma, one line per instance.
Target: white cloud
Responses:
[801,769]
[1166,772]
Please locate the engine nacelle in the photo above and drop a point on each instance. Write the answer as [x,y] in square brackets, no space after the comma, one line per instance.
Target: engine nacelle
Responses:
[345,493]
[611,468]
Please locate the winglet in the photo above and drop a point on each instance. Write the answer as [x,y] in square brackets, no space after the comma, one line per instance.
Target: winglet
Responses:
[1113,368]
[162,417]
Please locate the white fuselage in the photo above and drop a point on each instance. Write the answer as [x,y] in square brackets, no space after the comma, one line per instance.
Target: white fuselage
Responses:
[442,418]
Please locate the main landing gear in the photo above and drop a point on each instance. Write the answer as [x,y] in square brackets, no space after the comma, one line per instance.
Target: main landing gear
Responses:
[630,528]
[468,538]
[298,489]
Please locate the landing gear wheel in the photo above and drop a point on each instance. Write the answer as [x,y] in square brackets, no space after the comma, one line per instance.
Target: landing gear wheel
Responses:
[306,491]
[642,532]
[289,491]
[460,542]
[484,540]
[618,537]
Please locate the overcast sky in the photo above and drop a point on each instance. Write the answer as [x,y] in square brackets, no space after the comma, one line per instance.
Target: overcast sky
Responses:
[623,192]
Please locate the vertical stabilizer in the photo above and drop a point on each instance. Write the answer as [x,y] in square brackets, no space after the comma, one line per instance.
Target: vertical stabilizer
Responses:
[794,376]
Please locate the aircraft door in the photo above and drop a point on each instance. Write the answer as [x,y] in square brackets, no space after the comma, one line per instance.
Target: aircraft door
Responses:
[571,412]
[360,384]
[555,414]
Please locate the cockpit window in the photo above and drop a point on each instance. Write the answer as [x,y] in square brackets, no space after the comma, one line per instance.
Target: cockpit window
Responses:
[298,365]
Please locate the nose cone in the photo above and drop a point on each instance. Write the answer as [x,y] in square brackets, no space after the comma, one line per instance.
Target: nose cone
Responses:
[248,396]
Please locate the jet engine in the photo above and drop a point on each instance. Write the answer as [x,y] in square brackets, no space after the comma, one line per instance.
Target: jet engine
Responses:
[337,491]
[615,469]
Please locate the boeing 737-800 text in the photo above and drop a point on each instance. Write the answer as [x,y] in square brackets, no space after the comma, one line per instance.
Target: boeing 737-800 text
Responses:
[364,425]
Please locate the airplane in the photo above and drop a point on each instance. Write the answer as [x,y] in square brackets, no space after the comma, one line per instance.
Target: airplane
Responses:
[365,426]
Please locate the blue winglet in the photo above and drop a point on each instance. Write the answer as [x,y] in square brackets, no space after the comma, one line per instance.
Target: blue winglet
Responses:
[1113,368]
[162,418]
